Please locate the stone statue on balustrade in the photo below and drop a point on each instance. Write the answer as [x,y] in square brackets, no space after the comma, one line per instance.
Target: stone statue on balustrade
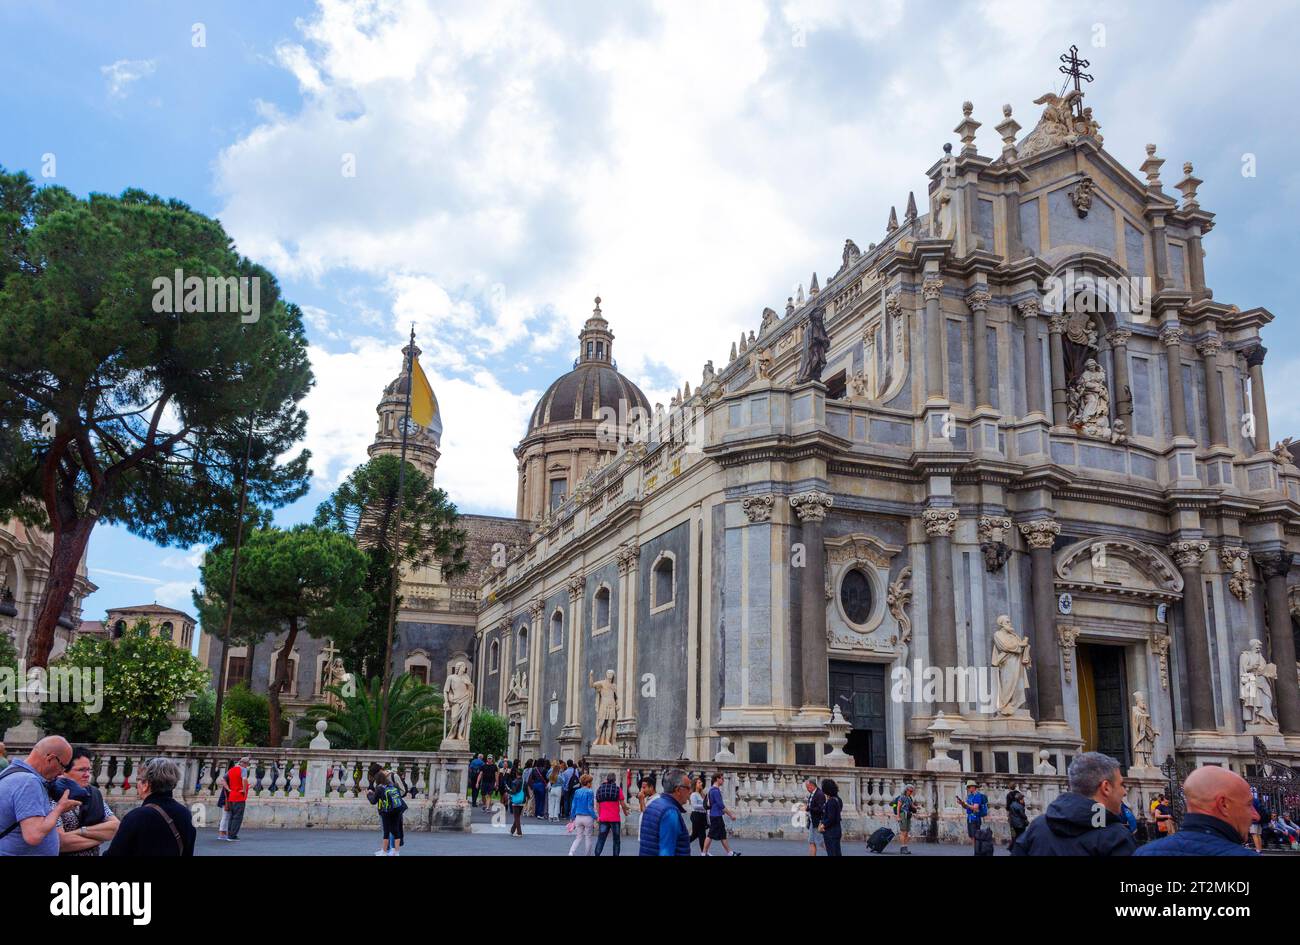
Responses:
[817,342]
[458,706]
[1011,662]
[1256,676]
[606,708]
[1143,732]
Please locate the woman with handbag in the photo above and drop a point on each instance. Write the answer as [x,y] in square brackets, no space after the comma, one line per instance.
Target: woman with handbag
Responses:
[513,785]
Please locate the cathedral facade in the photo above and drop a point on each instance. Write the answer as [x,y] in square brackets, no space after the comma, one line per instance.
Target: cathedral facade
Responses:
[1005,477]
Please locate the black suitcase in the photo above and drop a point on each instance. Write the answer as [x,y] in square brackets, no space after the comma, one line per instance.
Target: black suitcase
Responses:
[877,842]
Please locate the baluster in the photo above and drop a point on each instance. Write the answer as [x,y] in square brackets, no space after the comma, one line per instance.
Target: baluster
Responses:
[101,781]
[281,780]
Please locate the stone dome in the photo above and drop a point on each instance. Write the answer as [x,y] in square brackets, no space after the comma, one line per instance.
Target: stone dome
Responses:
[593,385]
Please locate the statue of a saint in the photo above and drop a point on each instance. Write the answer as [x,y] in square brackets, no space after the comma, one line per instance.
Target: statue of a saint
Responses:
[606,707]
[1089,401]
[1256,677]
[1144,733]
[1011,660]
[458,703]
[817,341]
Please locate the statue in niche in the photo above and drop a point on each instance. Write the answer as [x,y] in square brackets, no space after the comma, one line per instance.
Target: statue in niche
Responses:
[1256,675]
[1089,401]
[817,342]
[1011,661]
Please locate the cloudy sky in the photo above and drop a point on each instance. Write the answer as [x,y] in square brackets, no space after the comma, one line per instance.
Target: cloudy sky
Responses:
[484,169]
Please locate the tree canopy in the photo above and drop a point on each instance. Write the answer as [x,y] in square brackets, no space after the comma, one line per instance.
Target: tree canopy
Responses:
[114,406]
[306,579]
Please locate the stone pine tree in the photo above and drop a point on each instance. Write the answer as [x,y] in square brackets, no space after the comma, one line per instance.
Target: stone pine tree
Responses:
[119,405]
[365,507]
[304,580]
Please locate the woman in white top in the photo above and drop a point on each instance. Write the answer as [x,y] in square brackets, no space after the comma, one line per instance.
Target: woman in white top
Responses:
[554,791]
[699,815]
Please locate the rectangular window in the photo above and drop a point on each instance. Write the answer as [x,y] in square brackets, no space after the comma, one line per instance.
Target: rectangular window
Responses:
[557,493]
[758,753]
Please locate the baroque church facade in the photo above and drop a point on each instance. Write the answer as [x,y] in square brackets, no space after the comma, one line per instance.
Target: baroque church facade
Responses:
[1017,442]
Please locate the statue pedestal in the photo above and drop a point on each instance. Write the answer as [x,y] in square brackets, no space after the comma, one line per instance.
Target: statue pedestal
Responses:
[604,751]
[1262,728]
[177,736]
[570,743]
[454,744]
[27,731]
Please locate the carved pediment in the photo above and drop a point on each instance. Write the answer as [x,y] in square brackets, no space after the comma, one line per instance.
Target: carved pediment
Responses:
[860,549]
[1119,564]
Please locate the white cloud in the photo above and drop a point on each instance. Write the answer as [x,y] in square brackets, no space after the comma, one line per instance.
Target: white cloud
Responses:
[123,73]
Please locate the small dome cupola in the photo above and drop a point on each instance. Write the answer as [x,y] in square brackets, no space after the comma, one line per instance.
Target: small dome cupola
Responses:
[596,341]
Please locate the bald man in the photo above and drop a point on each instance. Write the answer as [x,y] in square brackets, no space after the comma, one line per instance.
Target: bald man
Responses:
[1219,815]
[29,819]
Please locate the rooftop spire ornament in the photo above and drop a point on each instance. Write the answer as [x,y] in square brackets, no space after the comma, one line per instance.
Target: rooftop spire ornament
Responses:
[1074,67]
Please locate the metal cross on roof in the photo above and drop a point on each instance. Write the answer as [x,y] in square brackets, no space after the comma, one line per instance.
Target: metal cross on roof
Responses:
[1073,68]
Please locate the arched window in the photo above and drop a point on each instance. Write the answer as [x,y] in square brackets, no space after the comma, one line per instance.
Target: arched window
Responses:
[291,680]
[663,582]
[167,631]
[557,629]
[494,656]
[521,647]
[600,610]
[417,663]
[119,630]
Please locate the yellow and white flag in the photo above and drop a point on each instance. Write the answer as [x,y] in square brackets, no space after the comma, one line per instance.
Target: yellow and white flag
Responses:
[423,406]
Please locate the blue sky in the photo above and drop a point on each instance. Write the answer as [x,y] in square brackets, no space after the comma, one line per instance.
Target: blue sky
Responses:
[691,163]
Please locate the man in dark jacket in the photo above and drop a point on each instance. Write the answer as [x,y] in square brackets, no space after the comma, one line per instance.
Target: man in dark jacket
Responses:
[1086,821]
[816,805]
[1219,815]
[161,825]
[663,826]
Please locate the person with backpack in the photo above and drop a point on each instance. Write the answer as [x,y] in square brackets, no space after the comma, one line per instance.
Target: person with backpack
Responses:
[385,794]
[1017,816]
[86,828]
[815,806]
[29,813]
[830,826]
[905,806]
[611,808]
[977,808]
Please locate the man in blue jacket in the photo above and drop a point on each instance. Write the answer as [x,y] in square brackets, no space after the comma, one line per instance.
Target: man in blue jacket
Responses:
[663,828]
[1219,815]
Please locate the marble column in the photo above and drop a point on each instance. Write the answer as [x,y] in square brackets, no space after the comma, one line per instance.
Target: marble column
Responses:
[1187,555]
[1273,569]
[1209,352]
[939,525]
[577,586]
[811,508]
[1172,337]
[536,639]
[1029,311]
[932,289]
[628,558]
[1122,391]
[1056,328]
[1255,363]
[1040,535]
[978,301]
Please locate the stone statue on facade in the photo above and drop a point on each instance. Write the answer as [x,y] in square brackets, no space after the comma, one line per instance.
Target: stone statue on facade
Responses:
[770,319]
[1011,661]
[518,690]
[334,676]
[1089,401]
[1256,677]
[763,362]
[1143,732]
[817,342]
[606,707]
[458,705]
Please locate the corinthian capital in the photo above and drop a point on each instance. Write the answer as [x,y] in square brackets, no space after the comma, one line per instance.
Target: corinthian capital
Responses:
[1040,534]
[939,523]
[1255,356]
[575,586]
[1188,554]
[1029,308]
[1118,337]
[893,305]
[978,299]
[1056,324]
[932,288]
[1272,564]
[758,508]
[811,506]
[1171,335]
[536,607]
[1209,347]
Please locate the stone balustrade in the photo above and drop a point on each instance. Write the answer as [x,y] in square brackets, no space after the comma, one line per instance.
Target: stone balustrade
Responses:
[294,787]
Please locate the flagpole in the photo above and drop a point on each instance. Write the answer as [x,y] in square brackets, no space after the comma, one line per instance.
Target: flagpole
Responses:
[397,545]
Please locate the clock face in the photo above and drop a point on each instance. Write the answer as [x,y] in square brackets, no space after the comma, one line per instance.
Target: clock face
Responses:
[409,426]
